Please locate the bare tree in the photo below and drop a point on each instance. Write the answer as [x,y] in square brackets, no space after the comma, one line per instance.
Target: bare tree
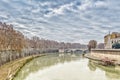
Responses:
[92,44]
[100,46]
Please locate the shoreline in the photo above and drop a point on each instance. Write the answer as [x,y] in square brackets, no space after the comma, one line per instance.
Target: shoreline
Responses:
[9,70]
[105,56]
[91,57]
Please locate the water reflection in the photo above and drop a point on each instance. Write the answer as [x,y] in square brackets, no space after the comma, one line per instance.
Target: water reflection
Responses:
[43,62]
[66,67]
[111,72]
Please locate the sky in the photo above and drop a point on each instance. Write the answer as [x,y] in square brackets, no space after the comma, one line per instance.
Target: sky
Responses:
[63,20]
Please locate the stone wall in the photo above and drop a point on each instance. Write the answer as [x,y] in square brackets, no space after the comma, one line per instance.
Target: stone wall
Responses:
[7,56]
[112,54]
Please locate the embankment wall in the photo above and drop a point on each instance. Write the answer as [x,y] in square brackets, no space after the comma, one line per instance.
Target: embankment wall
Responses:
[113,54]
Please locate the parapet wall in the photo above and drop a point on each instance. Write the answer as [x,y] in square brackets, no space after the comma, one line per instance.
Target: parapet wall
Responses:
[112,54]
[107,51]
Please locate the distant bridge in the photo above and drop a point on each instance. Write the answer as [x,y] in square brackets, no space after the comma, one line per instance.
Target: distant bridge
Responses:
[73,50]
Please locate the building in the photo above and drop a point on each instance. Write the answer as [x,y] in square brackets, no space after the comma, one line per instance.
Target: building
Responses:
[111,39]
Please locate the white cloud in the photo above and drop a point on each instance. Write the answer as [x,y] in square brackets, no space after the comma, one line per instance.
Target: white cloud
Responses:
[101,4]
[59,10]
[7,1]
[85,5]
[89,19]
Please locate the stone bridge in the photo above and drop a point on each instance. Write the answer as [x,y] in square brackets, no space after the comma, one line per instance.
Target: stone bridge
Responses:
[73,50]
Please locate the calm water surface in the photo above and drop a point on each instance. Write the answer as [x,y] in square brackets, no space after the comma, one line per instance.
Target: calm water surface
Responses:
[66,67]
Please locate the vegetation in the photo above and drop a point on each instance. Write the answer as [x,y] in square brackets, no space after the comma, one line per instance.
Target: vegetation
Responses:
[14,45]
[116,46]
[92,44]
[37,43]
[100,46]
[10,39]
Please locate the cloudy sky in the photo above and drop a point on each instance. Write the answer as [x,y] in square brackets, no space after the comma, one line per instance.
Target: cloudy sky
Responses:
[63,20]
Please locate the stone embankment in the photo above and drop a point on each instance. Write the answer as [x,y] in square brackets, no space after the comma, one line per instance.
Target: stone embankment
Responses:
[105,55]
[9,70]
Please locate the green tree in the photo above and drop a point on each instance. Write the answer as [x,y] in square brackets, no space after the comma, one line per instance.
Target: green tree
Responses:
[116,46]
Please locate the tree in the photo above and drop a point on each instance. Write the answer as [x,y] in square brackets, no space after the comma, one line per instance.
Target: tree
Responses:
[116,46]
[100,46]
[92,44]
[14,44]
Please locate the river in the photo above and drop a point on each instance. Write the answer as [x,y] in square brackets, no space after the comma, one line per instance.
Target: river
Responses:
[66,67]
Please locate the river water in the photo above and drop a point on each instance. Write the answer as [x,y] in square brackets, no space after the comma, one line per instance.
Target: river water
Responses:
[66,67]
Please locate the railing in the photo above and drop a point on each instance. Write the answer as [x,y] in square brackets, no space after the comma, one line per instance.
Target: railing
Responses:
[106,51]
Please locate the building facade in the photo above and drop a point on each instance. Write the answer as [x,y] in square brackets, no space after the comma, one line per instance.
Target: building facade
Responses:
[111,39]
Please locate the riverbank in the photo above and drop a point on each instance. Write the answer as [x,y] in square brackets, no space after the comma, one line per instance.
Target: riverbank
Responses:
[112,56]
[9,70]
[89,56]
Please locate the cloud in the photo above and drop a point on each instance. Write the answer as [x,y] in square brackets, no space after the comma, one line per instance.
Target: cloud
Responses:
[67,20]
[100,4]
[59,10]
